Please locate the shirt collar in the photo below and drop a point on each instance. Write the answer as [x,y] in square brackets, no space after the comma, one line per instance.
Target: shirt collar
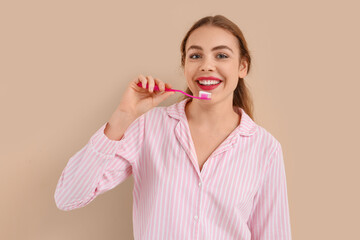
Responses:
[247,126]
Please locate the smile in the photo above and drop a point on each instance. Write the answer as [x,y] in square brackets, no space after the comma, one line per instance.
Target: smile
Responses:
[208,84]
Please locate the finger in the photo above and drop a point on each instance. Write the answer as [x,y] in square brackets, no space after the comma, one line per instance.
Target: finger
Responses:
[143,80]
[164,96]
[151,83]
[137,79]
[160,84]
[168,85]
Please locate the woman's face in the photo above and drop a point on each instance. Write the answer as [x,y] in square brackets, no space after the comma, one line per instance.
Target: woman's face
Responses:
[212,52]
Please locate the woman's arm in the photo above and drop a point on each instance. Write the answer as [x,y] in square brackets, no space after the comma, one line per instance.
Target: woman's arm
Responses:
[99,166]
[107,159]
[270,217]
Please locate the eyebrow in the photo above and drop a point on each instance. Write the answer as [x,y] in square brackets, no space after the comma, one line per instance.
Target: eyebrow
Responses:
[214,48]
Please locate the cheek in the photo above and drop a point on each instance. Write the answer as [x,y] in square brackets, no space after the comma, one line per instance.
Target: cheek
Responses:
[189,71]
[189,66]
[233,71]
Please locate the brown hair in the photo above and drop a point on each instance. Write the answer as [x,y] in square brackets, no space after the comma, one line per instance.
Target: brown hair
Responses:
[242,97]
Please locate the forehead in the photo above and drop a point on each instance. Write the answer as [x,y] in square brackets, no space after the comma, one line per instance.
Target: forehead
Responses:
[211,36]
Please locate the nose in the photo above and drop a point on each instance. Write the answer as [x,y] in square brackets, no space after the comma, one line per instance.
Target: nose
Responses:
[207,65]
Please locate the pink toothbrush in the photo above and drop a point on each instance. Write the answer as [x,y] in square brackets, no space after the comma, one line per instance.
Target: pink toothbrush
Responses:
[202,94]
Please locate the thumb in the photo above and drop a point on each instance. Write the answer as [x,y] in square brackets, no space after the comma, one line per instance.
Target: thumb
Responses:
[163,96]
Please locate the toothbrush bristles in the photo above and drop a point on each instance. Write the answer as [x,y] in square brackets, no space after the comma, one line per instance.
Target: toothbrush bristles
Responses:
[205,95]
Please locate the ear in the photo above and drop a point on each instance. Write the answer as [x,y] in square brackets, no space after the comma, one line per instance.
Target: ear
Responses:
[243,68]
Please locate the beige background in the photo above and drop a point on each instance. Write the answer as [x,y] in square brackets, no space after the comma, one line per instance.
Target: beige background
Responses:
[64,66]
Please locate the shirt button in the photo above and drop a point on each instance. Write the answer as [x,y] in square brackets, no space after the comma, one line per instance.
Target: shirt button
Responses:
[196,217]
[200,184]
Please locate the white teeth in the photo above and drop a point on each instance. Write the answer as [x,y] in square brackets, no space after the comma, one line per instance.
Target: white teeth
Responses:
[209,82]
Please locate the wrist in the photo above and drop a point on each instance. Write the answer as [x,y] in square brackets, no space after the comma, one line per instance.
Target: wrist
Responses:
[119,117]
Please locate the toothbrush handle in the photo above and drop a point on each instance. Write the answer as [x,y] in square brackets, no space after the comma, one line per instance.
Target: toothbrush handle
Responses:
[175,90]
[156,88]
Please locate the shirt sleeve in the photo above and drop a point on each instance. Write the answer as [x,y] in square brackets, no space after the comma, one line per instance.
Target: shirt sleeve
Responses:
[99,166]
[270,216]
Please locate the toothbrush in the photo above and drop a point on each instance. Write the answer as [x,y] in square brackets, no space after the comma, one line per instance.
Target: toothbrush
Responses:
[202,94]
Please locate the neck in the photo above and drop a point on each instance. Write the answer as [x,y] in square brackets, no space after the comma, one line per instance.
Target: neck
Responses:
[212,117]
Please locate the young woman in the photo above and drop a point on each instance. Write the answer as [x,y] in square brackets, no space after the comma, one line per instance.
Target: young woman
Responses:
[202,169]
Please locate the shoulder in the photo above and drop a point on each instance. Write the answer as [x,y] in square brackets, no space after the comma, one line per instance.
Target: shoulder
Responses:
[157,112]
[161,114]
[256,137]
[269,136]
[174,111]
[268,143]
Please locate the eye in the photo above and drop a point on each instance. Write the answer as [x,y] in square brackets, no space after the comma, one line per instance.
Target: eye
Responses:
[222,55]
[192,56]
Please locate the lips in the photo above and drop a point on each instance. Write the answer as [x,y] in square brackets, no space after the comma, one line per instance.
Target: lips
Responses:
[208,87]
[209,78]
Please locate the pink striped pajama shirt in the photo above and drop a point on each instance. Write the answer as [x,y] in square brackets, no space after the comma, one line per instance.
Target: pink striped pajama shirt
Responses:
[240,193]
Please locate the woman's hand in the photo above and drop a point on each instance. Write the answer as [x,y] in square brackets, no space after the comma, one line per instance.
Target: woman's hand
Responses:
[138,100]
[135,102]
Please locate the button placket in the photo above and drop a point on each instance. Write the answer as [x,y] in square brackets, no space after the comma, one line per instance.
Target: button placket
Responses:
[196,217]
